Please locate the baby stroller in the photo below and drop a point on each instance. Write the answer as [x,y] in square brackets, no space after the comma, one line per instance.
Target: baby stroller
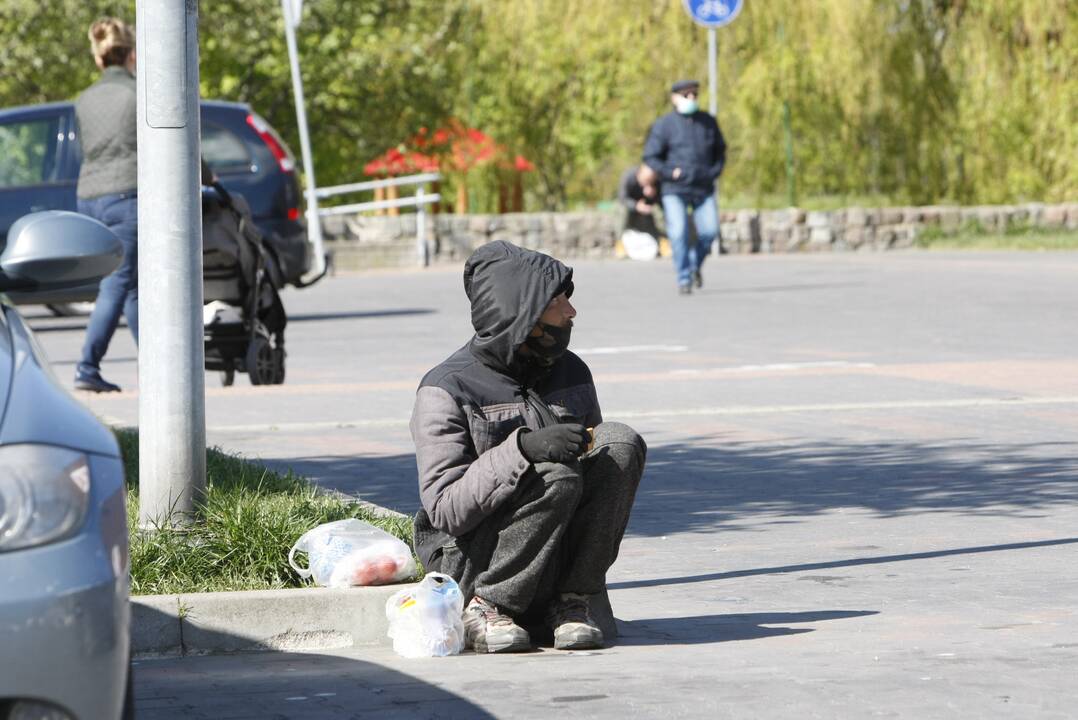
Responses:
[243,316]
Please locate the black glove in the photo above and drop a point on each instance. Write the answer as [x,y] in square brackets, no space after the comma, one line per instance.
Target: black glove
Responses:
[557,443]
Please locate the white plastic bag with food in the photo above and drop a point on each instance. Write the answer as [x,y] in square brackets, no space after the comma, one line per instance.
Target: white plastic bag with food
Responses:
[352,552]
[426,620]
[639,245]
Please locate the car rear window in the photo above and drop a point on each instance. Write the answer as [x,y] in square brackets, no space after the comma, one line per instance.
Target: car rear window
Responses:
[28,151]
[223,150]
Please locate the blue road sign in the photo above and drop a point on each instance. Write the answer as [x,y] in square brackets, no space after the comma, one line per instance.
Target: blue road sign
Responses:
[713,13]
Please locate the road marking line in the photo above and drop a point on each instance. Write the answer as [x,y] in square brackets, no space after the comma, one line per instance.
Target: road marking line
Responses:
[776,367]
[617,350]
[847,407]
[699,411]
[300,426]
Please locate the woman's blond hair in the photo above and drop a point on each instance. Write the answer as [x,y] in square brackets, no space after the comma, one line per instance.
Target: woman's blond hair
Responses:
[111,40]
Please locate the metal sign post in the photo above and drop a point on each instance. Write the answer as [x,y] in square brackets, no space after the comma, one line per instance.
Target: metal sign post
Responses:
[172,403]
[293,10]
[713,14]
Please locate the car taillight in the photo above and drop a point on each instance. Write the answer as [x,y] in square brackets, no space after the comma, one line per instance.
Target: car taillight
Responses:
[293,213]
[274,145]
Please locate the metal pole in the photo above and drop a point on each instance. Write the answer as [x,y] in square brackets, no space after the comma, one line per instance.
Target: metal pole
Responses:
[712,72]
[314,223]
[420,227]
[172,413]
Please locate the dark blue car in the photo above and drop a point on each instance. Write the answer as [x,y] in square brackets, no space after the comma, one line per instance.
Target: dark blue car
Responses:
[39,168]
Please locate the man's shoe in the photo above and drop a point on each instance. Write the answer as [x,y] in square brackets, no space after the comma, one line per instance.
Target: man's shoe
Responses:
[685,289]
[94,383]
[574,627]
[488,630]
[698,279]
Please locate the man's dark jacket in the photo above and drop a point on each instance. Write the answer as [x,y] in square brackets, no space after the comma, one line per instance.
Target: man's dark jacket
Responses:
[630,190]
[693,143]
[470,409]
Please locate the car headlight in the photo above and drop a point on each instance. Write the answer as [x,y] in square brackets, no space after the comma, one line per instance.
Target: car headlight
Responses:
[44,491]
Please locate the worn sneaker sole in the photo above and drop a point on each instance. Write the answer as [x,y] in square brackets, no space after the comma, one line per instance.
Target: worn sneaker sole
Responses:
[578,638]
[508,643]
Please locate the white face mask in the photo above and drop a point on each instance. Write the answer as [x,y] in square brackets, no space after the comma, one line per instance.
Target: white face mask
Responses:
[685,105]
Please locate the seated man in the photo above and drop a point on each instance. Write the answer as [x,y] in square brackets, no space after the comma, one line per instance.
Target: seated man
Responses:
[519,506]
[639,193]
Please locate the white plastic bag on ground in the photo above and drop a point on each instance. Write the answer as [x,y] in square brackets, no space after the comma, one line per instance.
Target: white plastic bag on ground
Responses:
[425,620]
[639,245]
[352,552]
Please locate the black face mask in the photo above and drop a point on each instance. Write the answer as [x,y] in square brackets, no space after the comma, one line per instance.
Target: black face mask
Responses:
[549,346]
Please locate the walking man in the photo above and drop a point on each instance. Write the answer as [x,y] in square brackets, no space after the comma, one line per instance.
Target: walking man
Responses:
[687,149]
[526,492]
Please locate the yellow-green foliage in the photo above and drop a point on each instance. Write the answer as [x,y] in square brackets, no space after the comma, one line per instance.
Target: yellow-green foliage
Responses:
[915,100]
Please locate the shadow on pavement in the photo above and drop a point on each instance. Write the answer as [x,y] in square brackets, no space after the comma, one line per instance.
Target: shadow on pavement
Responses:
[694,486]
[389,480]
[704,485]
[65,326]
[284,685]
[118,360]
[358,314]
[850,562]
[724,628]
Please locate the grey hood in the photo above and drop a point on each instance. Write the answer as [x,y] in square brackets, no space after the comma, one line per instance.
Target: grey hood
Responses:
[509,288]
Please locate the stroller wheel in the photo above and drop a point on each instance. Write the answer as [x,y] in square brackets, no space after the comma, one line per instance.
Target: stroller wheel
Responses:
[278,365]
[228,377]
[261,364]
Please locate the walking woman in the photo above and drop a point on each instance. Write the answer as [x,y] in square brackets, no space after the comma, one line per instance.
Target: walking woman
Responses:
[108,180]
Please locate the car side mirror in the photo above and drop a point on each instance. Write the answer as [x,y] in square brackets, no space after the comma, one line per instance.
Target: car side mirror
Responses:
[56,249]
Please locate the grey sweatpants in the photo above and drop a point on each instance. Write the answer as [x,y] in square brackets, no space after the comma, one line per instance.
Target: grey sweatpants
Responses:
[560,531]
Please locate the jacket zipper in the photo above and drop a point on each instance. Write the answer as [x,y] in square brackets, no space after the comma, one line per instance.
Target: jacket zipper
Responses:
[543,414]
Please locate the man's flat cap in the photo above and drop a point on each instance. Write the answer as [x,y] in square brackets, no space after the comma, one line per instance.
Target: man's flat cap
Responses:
[683,85]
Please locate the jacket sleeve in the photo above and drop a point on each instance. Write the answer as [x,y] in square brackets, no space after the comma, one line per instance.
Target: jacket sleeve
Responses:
[718,158]
[656,149]
[457,488]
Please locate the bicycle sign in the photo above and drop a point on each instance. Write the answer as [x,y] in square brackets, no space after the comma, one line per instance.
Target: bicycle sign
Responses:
[713,13]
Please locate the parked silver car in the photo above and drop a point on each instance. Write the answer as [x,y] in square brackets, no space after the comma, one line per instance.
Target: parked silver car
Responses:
[64,612]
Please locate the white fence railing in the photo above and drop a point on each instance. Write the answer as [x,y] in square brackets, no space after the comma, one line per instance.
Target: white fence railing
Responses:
[419,201]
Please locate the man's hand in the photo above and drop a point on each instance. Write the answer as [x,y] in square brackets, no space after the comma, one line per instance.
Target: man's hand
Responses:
[644,208]
[677,173]
[557,443]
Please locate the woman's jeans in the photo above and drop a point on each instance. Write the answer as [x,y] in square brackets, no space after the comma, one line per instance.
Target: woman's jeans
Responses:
[705,215]
[118,293]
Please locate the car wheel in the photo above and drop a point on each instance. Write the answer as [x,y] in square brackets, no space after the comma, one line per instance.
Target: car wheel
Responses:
[261,362]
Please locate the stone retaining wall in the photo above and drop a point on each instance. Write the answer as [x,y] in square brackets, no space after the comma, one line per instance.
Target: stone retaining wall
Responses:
[359,242]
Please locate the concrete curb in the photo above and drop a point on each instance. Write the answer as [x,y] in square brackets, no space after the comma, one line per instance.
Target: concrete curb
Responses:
[249,621]
[275,620]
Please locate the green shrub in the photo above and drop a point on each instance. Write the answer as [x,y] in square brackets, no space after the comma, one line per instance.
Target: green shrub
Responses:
[247,522]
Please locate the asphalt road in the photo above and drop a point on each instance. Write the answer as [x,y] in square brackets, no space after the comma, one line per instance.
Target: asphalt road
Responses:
[861,495]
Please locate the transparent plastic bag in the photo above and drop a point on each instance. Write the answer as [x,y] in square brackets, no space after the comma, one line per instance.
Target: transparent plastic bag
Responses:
[639,245]
[352,552]
[426,620]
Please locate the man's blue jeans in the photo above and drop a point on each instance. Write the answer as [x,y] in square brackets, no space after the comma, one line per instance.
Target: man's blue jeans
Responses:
[705,215]
[118,293]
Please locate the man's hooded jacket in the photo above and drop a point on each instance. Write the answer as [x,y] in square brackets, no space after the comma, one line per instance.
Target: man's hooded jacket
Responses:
[470,409]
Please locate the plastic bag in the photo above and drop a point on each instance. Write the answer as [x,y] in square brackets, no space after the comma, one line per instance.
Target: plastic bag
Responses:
[639,245]
[352,552]
[426,620]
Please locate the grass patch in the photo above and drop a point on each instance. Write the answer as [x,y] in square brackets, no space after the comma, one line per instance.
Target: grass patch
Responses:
[973,236]
[248,521]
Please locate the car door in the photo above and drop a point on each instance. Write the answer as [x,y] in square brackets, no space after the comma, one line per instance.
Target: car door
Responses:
[35,168]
